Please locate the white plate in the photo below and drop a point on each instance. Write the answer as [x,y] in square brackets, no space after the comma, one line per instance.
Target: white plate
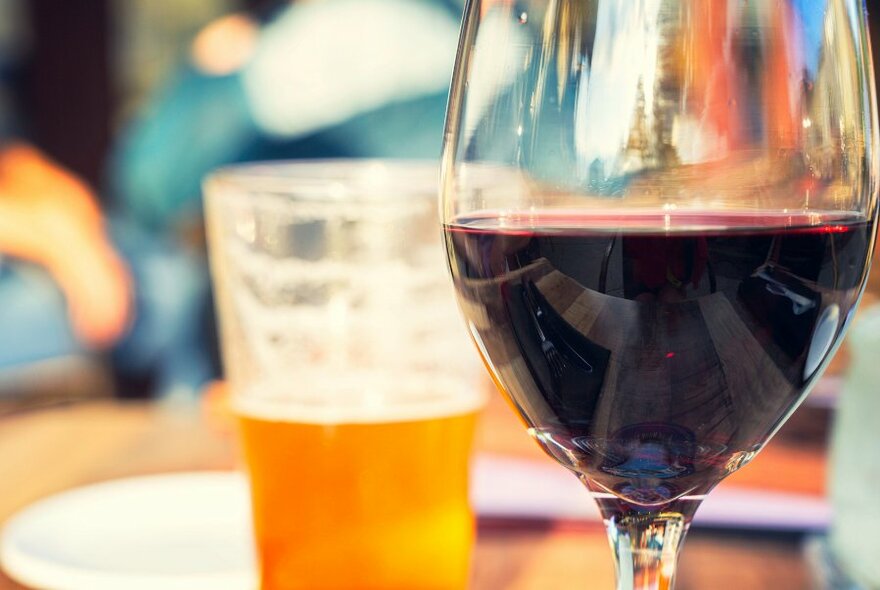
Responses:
[185,531]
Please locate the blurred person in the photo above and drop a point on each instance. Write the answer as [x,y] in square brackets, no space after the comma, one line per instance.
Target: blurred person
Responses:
[49,217]
[50,220]
[77,282]
[64,289]
[74,282]
[307,79]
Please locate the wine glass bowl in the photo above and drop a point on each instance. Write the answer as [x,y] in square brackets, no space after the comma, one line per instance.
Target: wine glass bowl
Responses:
[659,216]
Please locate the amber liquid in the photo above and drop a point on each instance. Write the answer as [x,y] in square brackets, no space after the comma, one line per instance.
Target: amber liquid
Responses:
[361,505]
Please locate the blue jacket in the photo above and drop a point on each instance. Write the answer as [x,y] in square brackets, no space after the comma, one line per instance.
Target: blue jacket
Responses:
[339,78]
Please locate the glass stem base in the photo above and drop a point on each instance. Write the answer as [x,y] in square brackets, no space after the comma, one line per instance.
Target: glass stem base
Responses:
[646,543]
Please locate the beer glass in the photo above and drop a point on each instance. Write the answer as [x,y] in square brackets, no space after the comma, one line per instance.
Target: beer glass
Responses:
[349,370]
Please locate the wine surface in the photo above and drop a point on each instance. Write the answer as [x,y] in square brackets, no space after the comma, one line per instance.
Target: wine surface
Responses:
[654,353]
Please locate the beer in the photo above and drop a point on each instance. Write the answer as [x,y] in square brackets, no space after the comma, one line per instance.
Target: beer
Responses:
[351,373]
[371,501]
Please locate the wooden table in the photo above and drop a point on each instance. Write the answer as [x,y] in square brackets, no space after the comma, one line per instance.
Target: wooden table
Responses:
[49,450]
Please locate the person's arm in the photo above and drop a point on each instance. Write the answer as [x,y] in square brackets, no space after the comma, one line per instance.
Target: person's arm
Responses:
[50,218]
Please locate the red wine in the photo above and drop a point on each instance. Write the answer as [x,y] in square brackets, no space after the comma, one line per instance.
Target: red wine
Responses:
[653,354]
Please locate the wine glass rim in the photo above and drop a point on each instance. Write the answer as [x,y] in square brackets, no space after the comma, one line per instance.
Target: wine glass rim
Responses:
[373,180]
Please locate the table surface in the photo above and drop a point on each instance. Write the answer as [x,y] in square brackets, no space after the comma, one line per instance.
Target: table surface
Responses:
[53,449]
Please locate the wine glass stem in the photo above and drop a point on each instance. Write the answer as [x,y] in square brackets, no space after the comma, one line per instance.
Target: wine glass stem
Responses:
[646,548]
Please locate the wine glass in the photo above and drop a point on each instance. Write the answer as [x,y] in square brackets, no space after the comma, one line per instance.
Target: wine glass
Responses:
[659,216]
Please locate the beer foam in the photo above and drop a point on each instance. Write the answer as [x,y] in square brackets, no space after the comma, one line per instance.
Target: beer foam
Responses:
[358,398]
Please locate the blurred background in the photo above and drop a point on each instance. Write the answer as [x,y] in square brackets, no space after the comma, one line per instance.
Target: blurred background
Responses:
[111,113]
[74,78]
